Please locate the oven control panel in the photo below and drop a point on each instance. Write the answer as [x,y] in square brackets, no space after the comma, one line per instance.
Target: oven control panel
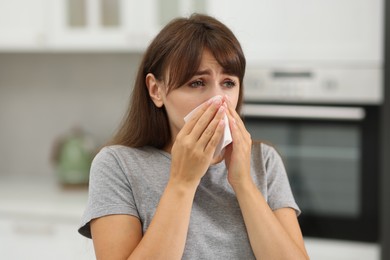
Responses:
[346,85]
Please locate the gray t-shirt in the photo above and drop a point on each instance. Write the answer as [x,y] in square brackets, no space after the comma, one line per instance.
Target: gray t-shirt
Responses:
[131,181]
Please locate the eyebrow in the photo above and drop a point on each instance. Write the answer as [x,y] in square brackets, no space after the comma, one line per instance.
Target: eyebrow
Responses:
[208,72]
[203,72]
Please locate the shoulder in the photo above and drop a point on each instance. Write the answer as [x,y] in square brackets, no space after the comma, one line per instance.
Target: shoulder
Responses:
[122,153]
[120,165]
[266,159]
[130,160]
[119,150]
[264,151]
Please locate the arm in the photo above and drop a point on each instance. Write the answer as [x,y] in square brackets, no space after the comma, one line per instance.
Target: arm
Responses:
[166,236]
[273,235]
[120,236]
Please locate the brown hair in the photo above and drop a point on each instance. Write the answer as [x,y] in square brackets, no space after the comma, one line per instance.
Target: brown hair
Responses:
[176,52]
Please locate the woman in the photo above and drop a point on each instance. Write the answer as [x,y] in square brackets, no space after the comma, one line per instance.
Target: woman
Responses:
[158,192]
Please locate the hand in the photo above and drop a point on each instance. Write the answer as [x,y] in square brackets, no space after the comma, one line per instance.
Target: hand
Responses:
[195,144]
[238,153]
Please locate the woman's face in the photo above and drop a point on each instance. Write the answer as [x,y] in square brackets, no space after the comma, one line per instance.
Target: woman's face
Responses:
[210,80]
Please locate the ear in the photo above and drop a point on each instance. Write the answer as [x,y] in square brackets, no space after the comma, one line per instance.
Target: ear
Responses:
[155,90]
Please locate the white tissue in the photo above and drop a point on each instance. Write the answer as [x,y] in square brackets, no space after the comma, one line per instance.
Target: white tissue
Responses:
[226,136]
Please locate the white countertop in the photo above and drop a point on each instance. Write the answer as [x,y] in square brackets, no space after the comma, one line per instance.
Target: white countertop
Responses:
[40,197]
[41,217]
[325,249]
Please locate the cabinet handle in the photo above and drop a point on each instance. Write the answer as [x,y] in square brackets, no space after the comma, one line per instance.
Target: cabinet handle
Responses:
[304,112]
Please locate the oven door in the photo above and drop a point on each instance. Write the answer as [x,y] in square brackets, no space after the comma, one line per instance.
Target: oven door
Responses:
[331,157]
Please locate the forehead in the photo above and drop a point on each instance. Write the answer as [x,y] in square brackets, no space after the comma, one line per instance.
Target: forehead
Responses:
[209,62]
[208,59]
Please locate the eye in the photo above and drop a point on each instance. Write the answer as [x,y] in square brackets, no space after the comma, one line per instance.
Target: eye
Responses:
[229,83]
[196,83]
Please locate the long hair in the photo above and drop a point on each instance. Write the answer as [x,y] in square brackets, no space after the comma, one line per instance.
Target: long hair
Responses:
[174,56]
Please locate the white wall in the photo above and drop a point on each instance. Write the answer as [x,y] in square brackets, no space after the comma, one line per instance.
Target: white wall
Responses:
[43,95]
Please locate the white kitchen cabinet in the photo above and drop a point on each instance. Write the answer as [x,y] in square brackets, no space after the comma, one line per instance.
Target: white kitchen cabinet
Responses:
[87,25]
[112,24]
[298,31]
[90,25]
[77,25]
[23,24]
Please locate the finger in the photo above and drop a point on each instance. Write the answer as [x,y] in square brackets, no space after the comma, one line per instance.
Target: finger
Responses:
[189,125]
[233,112]
[236,124]
[210,130]
[205,119]
[232,115]
[216,137]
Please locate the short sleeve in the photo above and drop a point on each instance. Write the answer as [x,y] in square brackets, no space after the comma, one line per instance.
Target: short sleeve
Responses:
[109,190]
[279,193]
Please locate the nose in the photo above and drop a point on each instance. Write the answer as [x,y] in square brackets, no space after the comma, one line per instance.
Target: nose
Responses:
[216,90]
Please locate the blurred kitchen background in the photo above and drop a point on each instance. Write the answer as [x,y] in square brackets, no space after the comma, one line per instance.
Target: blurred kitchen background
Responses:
[317,86]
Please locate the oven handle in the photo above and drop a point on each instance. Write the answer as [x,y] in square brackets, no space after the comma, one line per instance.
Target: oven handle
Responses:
[304,112]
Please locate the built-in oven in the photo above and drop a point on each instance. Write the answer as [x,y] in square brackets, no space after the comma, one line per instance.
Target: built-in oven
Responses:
[325,125]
